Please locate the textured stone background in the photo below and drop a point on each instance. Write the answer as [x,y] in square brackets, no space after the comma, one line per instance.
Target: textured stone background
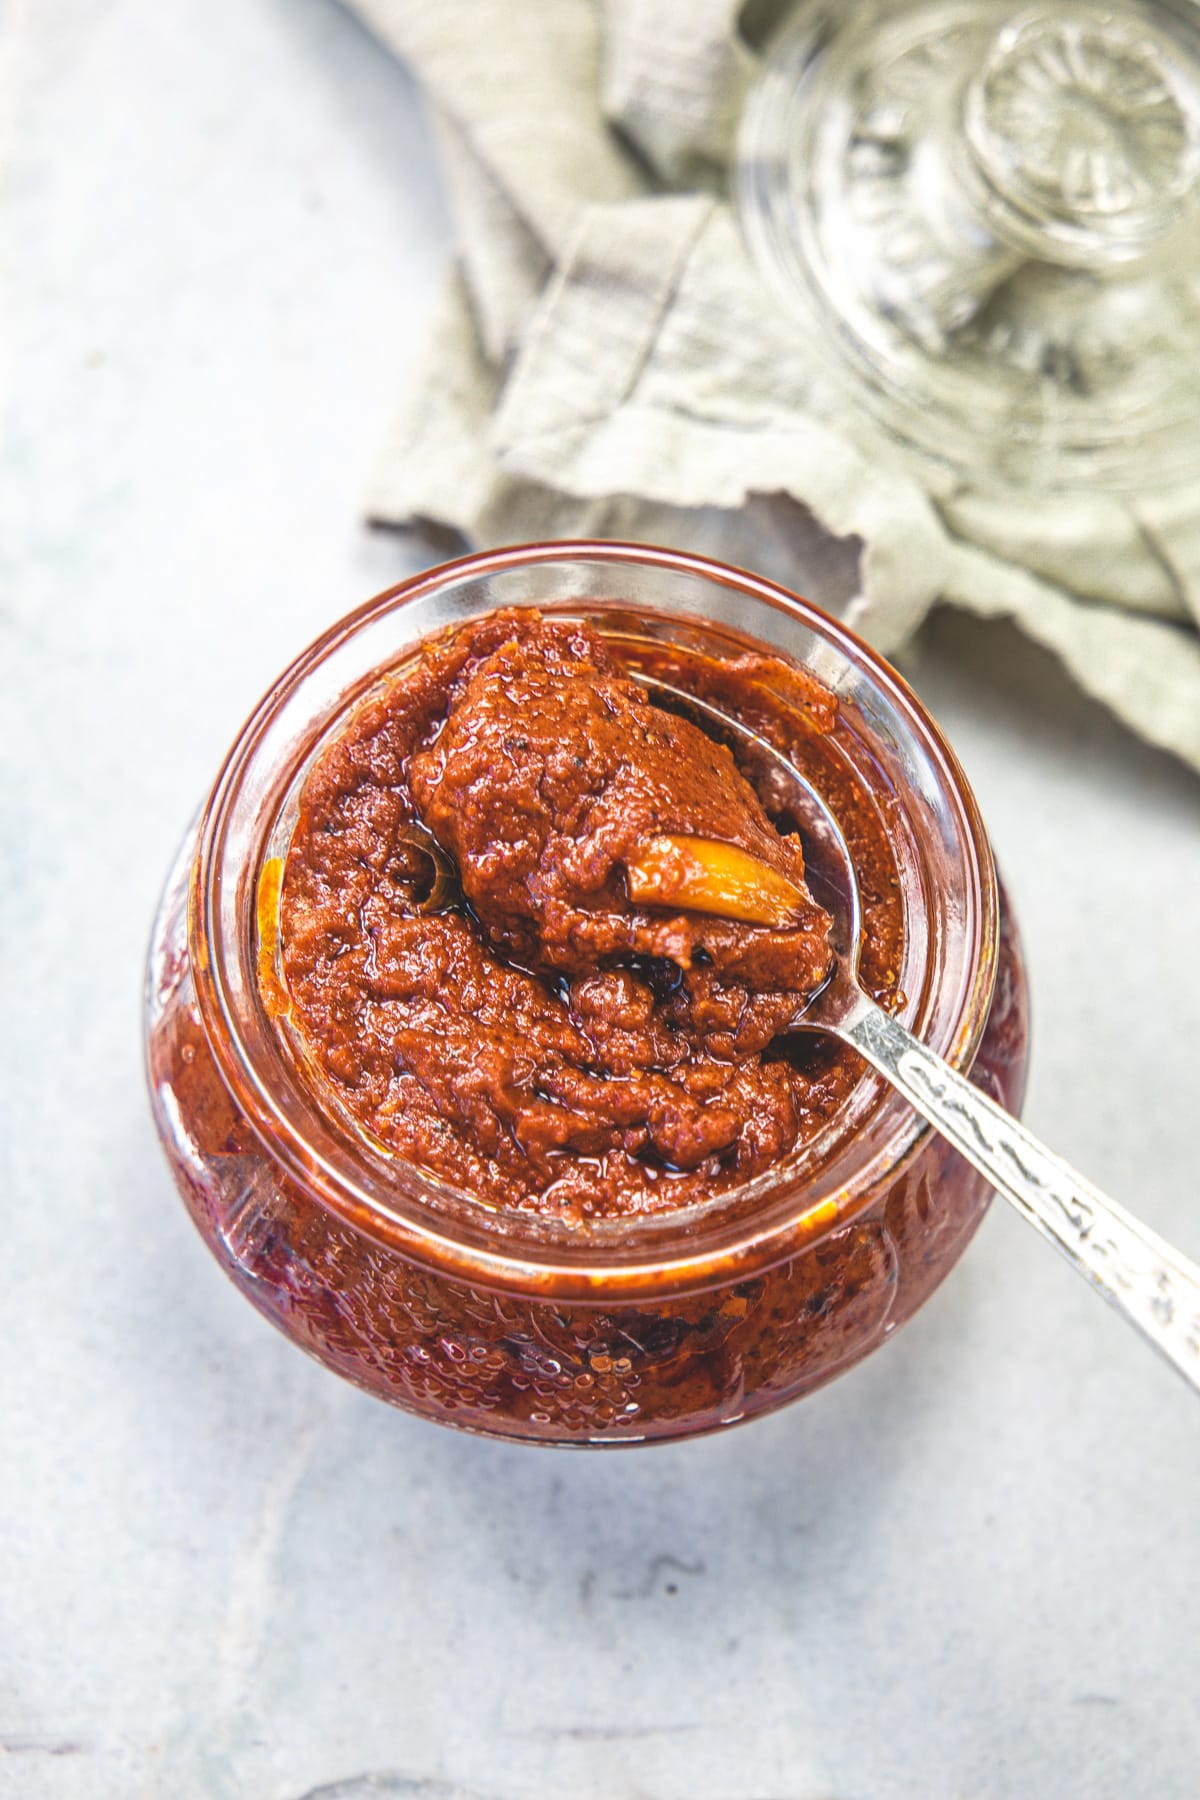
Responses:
[969,1569]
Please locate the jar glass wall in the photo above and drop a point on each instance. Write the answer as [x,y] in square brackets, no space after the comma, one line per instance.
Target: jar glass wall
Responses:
[612,1331]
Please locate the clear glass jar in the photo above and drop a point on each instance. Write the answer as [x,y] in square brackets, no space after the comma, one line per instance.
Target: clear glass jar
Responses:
[526,1327]
[985,216]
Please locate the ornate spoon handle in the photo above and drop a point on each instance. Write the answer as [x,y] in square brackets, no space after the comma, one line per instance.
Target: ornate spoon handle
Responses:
[1156,1288]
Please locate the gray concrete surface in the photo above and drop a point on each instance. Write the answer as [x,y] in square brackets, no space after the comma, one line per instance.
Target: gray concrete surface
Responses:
[970,1570]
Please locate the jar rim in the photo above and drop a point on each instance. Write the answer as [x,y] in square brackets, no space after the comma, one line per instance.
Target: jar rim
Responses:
[727,1237]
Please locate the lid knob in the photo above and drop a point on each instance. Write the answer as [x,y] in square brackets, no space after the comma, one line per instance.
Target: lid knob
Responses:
[1083,135]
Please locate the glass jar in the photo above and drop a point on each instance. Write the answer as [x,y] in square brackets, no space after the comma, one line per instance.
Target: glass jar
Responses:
[610,1331]
[984,216]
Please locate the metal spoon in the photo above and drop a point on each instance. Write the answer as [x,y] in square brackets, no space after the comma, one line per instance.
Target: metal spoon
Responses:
[1156,1288]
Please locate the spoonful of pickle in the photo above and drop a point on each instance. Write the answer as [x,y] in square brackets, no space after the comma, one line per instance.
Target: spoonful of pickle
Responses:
[1137,1272]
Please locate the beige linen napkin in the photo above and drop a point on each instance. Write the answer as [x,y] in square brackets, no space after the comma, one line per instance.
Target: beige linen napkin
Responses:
[607,360]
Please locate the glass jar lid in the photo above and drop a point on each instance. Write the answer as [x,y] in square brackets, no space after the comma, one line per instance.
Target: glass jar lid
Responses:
[989,220]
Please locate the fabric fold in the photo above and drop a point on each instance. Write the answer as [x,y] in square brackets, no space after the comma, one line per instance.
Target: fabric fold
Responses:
[608,360]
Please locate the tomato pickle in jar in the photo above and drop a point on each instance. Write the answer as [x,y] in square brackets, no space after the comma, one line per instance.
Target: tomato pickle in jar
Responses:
[467,1073]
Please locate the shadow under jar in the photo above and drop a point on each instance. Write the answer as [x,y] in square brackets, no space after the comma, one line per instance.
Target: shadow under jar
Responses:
[606,1330]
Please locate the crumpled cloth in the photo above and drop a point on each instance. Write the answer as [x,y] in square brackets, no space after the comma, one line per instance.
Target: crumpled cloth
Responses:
[607,361]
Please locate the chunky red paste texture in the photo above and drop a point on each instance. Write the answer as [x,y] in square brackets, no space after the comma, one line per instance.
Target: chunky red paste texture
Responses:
[541,1041]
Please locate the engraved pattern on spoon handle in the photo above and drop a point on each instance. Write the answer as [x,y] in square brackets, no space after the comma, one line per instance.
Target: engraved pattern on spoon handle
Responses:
[1156,1288]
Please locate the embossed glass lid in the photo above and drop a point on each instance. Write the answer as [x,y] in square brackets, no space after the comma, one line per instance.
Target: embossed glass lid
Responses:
[989,221]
